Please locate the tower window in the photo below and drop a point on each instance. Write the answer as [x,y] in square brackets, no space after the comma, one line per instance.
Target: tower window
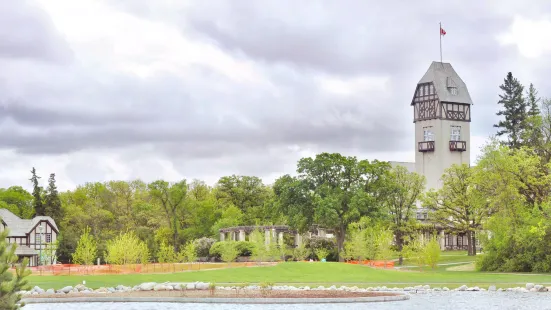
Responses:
[453,90]
[428,135]
[455,133]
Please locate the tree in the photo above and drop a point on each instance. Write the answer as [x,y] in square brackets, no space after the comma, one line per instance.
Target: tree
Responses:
[514,111]
[260,249]
[384,245]
[18,201]
[401,192]
[126,249]
[11,283]
[171,198]
[533,101]
[37,190]
[52,203]
[166,254]
[459,205]
[333,191]
[86,251]
[189,253]
[229,251]
[50,251]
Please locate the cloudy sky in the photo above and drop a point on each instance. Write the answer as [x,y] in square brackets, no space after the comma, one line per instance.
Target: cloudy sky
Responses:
[95,90]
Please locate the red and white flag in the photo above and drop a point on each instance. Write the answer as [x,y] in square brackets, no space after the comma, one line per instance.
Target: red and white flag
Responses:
[442,31]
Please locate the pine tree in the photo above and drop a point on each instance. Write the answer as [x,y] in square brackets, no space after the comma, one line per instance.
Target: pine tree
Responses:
[11,283]
[37,203]
[533,101]
[514,111]
[52,203]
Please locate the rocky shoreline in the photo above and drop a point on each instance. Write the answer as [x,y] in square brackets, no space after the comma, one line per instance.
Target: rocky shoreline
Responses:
[252,290]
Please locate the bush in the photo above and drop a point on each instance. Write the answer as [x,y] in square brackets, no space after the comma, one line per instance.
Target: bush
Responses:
[245,248]
[316,243]
[203,245]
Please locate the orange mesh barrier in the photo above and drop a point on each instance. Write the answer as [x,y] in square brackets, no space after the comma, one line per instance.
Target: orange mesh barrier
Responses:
[73,269]
[373,263]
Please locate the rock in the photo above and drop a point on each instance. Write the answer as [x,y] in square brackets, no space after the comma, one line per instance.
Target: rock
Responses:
[50,291]
[80,287]
[190,286]
[201,286]
[462,288]
[500,289]
[533,289]
[177,287]
[492,288]
[102,290]
[529,286]
[66,289]
[445,289]
[160,287]
[148,286]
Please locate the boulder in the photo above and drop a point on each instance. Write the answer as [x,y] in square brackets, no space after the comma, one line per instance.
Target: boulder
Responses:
[80,287]
[190,286]
[66,289]
[492,288]
[201,286]
[148,286]
[50,291]
[529,286]
[462,288]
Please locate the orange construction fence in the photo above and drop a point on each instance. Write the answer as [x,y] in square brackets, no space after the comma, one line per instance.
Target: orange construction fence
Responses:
[373,263]
[73,269]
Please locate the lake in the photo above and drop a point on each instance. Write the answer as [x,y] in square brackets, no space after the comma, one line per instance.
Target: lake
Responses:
[431,300]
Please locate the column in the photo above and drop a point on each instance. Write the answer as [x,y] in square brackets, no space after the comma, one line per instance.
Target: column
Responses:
[241,235]
[232,236]
[222,236]
[298,239]
[442,240]
[280,238]
[267,236]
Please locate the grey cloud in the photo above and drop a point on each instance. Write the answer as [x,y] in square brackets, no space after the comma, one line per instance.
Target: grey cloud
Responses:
[26,31]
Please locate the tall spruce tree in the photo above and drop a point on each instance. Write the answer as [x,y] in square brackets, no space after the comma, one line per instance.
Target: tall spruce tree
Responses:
[37,203]
[533,103]
[52,203]
[515,111]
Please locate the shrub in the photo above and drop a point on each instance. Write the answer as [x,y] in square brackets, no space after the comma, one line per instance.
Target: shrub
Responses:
[203,245]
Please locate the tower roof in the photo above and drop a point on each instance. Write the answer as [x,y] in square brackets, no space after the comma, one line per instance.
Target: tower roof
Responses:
[444,77]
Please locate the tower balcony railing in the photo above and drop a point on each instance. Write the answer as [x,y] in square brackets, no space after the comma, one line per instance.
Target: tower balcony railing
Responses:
[458,146]
[426,146]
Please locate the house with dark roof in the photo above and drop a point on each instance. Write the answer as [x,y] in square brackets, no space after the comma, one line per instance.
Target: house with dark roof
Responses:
[32,236]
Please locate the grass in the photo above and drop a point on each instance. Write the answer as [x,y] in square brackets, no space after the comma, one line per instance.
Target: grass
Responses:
[304,273]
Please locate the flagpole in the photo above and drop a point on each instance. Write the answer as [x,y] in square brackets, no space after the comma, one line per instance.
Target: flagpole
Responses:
[440,34]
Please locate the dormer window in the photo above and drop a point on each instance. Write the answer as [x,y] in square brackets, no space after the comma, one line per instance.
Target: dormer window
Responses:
[453,90]
[452,86]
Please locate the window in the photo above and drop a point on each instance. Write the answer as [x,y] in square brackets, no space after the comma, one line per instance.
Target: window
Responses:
[453,90]
[37,238]
[431,89]
[48,238]
[428,135]
[455,133]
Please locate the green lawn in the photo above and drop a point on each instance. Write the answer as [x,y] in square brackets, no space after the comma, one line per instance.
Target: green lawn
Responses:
[306,274]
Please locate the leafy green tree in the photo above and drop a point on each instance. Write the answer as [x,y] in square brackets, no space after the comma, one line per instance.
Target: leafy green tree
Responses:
[384,245]
[301,252]
[126,249]
[50,251]
[432,252]
[189,252]
[52,203]
[11,283]
[172,198]
[229,251]
[231,216]
[86,251]
[37,194]
[333,191]
[18,201]
[166,254]
[401,192]
[459,205]
[514,111]
[260,250]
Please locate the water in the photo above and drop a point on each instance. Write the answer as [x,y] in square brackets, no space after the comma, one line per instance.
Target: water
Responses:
[433,300]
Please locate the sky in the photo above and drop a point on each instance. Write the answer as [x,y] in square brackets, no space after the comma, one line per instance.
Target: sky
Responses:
[98,90]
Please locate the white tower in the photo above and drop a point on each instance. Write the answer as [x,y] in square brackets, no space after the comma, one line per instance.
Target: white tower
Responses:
[442,116]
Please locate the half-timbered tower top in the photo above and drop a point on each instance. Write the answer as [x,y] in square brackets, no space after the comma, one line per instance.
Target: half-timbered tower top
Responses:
[446,83]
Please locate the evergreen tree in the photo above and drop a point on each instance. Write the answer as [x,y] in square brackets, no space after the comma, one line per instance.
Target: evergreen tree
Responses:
[533,101]
[52,204]
[37,203]
[11,283]
[514,111]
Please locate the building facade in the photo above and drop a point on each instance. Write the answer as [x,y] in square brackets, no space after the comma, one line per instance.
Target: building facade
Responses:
[34,237]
